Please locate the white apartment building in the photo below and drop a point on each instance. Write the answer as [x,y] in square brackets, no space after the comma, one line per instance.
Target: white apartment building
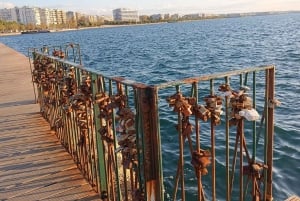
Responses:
[58,16]
[28,15]
[125,15]
[92,18]
[53,17]
[9,14]
[33,15]
[61,16]
[45,16]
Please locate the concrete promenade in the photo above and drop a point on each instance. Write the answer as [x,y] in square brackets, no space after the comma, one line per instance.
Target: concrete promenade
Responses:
[33,164]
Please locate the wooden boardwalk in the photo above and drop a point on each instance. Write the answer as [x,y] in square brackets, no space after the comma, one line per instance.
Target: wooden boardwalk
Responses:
[293,198]
[33,164]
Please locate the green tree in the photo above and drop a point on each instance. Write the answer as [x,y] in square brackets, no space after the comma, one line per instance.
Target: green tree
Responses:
[43,26]
[2,26]
[30,26]
[83,22]
[72,23]
[144,18]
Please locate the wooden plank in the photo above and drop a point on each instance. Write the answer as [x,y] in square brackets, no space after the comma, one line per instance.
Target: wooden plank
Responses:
[293,198]
[33,164]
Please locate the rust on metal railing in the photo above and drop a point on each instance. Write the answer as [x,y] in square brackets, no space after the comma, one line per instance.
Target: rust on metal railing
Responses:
[110,126]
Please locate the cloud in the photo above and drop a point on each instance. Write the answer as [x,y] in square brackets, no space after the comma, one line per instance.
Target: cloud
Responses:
[196,6]
[6,5]
[278,5]
[217,6]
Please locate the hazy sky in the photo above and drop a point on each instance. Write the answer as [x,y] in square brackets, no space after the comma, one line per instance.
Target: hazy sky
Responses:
[160,6]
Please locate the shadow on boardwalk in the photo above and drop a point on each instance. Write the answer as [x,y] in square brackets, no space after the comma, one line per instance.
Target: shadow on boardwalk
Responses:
[33,164]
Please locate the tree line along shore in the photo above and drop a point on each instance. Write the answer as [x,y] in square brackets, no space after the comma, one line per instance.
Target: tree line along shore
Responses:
[7,27]
[12,28]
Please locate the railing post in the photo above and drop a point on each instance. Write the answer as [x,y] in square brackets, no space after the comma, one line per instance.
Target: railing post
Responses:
[213,151]
[102,180]
[227,100]
[270,132]
[148,108]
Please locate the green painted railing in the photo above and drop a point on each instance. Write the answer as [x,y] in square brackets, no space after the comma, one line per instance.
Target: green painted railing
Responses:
[111,127]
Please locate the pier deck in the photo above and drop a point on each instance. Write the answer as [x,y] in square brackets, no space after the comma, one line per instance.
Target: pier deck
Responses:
[33,164]
[293,198]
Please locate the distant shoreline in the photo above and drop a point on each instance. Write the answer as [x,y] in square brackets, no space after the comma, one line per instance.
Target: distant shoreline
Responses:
[10,34]
[84,28]
[127,25]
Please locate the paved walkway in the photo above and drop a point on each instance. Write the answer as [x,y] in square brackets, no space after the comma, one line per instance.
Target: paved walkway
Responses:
[33,164]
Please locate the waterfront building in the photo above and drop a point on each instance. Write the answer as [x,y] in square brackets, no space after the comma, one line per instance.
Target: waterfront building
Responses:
[92,18]
[29,15]
[45,16]
[175,17]
[125,15]
[53,17]
[100,19]
[61,16]
[79,15]
[207,15]
[144,18]
[9,14]
[192,16]
[58,16]
[167,16]
[157,17]
[71,16]
[107,18]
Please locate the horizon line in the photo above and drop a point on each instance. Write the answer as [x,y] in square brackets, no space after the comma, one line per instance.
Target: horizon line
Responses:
[140,12]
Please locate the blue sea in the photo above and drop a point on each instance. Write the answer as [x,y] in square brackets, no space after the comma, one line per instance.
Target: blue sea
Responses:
[164,52]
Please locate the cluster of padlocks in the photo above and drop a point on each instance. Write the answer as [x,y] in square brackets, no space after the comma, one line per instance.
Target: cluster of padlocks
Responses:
[125,125]
[214,106]
[58,53]
[127,139]
[188,106]
[242,108]
[68,88]
[44,75]
[81,104]
[93,116]
[115,105]
[49,75]
[200,161]
[240,103]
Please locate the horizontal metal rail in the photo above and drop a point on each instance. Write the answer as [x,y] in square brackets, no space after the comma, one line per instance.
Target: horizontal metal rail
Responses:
[214,76]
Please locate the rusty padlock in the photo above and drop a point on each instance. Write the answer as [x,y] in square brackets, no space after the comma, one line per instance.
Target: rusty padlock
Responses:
[105,135]
[201,160]
[202,112]
[58,53]
[181,104]
[224,88]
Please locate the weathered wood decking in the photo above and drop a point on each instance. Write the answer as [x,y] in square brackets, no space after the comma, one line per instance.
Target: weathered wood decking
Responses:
[33,164]
[293,198]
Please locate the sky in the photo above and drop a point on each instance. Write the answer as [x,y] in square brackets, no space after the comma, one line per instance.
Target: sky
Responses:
[105,7]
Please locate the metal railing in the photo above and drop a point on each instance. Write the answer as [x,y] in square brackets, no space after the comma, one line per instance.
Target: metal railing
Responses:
[111,127]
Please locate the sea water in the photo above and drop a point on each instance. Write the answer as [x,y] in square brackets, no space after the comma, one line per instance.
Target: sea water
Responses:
[158,53]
